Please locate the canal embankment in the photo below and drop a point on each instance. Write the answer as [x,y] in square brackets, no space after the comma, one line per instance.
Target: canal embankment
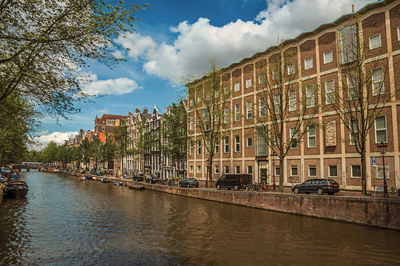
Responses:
[378,212]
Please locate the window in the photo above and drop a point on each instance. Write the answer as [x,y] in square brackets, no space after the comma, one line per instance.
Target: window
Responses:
[277,170]
[356,171]
[191,126]
[308,63]
[226,115]
[216,94]
[248,83]
[226,89]
[332,170]
[380,129]
[262,107]
[352,86]
[249,142]
[378,86]
[277,103]
[103,129]
[249,110]
[261,79]
[198,169]
[275,74]
[198,99]
[261,143]
[348,44]
[292,100]
[312,171]
[207,97]
[328,57]
[354,132]
[310,91]
[111,122]
[237,112]
[191,147]
[216,169]
[226,144]
[293,138]
[398,33]
[249,169]
[191,168]
[294,170]
[237,169]
[207,146]
[379,171]
[375,41]
[191,102]
[237,143]
[291,69]
[311,137]
[237,86]
[226,169]
[216,150]
[330,91]
[199,147]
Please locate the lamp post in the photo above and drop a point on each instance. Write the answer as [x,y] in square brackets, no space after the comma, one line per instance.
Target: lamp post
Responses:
[382,149]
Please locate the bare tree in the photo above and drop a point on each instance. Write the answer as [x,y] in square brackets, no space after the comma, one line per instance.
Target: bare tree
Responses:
[365,90]
[208,112]
[283,103]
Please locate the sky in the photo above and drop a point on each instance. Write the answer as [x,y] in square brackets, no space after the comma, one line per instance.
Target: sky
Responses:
[175,40]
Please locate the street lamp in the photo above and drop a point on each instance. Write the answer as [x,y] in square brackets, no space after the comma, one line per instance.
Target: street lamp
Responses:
[382,147]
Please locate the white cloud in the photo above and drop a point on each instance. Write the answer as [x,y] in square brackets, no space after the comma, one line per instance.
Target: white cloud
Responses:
[57,137]
[117,86]
[197,43]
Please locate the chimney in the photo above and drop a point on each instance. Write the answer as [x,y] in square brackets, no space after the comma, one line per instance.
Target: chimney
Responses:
[144,110]
[137,110]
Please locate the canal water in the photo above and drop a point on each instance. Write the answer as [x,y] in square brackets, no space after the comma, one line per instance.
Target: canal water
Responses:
[64,221]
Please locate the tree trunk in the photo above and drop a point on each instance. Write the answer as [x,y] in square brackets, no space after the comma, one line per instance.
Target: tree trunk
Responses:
[281,161]
[209,170]
[363,173]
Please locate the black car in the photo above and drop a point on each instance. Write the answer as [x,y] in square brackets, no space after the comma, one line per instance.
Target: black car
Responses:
[152,179]
[235,181]
[319,186]
[189,182]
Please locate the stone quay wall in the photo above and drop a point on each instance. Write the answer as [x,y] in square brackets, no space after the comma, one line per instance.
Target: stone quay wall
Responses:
[379,212]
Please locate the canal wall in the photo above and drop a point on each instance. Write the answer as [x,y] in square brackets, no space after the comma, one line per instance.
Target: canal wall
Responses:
[379,212]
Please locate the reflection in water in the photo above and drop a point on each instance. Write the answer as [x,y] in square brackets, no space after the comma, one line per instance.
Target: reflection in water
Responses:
[64,221]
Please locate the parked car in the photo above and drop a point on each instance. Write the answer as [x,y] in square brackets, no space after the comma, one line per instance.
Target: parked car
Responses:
[233,181]
[152,179]
[189,182]
[319,186]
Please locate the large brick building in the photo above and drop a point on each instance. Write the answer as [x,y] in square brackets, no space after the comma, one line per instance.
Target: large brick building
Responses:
[318,61]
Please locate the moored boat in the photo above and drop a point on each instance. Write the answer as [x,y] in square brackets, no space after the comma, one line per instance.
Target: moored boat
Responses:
[16,189]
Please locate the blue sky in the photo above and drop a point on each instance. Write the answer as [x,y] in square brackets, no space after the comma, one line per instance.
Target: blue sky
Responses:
[176,39]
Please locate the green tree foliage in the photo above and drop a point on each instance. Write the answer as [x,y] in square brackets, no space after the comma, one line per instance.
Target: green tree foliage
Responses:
[107,151]
[95,149]
[45,43]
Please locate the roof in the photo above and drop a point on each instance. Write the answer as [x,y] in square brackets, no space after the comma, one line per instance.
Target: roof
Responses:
[107,116]
[302,36]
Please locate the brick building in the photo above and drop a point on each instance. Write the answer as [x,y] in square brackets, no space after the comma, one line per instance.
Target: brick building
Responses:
[324,151]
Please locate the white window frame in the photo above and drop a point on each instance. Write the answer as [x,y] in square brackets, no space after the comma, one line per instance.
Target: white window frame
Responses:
[237,112]
[216,147]
[226,144]
[191,102]
[261,78]
[308,63]
[226,89]
[292,100]
[277,103]
[262,108]
[249,110]
[199,148]
[237,143]
[310,103]
[351,87]
[226,169]
[277,173]
[191,123]
[291,170]
[381,129]
[237,86]
[198,99]
[293,136]
[216,169]
[379,170]
[251,142]
[330,92]
[191,148]
[291,69]
[248,83]
[191,169]
[237,169]
[199,169]
[309,136]
[226,115]
[327,59]
[309,172]
[352,174]
[248,168]
[329,171]
[352,132]
[275,74]
[371,45]
[378,86]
